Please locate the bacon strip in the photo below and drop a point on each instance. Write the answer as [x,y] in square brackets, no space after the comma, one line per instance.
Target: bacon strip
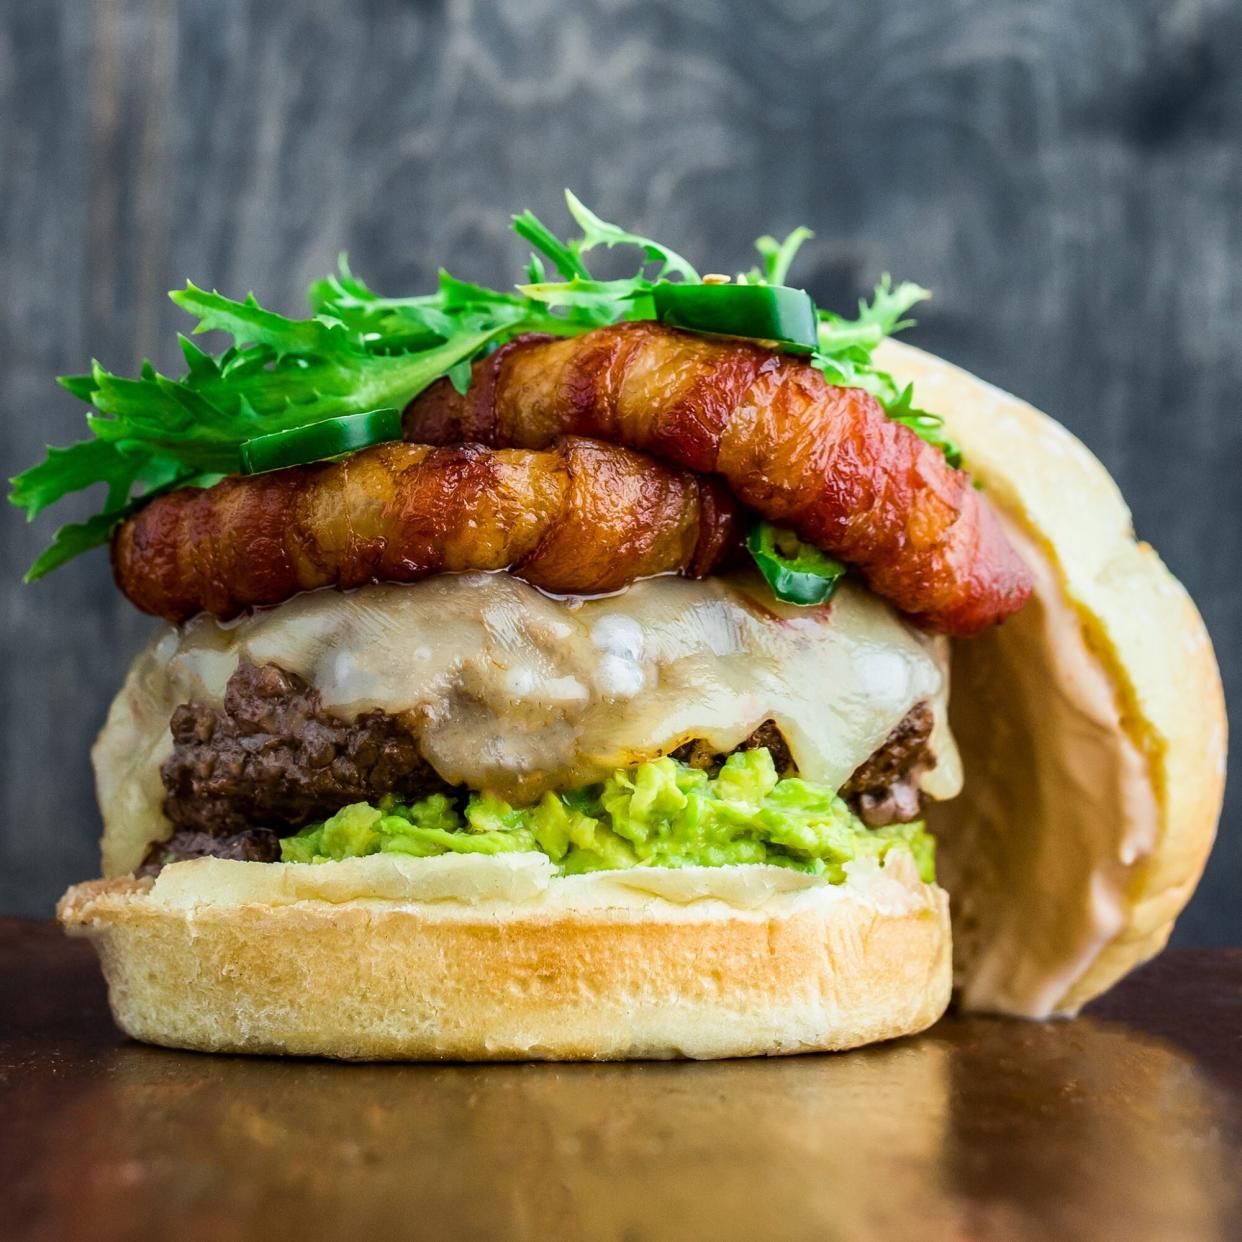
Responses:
[582,518]
[824,460]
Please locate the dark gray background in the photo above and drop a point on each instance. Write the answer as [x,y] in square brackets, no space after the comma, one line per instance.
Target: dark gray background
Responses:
[1066,176]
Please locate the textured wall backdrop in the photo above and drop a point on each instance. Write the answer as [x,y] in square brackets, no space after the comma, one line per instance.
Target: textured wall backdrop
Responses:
[1066,176]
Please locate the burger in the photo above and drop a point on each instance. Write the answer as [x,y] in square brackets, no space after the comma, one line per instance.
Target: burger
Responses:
[564,673]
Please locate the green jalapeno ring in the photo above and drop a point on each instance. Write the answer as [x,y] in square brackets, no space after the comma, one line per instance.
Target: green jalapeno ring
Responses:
[318,441]
[798,572]
[775,314]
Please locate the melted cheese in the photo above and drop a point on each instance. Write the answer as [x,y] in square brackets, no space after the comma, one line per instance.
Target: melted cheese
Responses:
[516,692]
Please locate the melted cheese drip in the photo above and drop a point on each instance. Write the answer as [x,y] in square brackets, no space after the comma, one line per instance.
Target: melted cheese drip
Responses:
[516,692]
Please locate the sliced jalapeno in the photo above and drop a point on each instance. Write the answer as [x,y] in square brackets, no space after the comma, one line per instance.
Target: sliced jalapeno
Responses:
[318,441]
[775,314]
[798,572]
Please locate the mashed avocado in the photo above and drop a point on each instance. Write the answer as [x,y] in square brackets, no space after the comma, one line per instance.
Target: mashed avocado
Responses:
[657,814]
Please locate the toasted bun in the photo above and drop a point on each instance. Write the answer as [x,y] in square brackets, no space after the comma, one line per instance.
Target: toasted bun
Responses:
[480,959]
[1091,725]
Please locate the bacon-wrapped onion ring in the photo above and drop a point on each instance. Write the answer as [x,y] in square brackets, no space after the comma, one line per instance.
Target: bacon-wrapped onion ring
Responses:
[584,517]
[824,460]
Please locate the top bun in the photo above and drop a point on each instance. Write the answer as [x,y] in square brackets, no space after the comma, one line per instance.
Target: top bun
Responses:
[1092,724]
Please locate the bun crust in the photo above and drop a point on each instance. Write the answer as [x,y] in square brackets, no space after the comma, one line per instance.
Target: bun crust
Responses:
[408,980]
[1136,623]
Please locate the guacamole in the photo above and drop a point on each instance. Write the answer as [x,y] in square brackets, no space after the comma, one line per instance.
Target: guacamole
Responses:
[656,814]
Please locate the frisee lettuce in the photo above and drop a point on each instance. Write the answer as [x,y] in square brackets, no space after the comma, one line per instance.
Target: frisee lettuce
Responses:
[777,257]
[359,350]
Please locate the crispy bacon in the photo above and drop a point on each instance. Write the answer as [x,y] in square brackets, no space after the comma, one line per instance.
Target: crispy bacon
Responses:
[584,517]
[824,460]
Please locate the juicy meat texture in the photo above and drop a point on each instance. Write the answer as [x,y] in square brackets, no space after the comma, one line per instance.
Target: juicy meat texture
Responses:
[822,459]
[274,758]
[885,789]
[252,845]
[580,518]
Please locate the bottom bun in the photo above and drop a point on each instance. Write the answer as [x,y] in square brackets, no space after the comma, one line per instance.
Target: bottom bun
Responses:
[234,957]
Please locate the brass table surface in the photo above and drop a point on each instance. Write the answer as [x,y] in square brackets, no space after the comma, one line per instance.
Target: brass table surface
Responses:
[1126,1124]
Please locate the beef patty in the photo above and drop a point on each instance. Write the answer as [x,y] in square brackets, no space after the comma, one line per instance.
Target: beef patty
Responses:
[885,789]
[272,759]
